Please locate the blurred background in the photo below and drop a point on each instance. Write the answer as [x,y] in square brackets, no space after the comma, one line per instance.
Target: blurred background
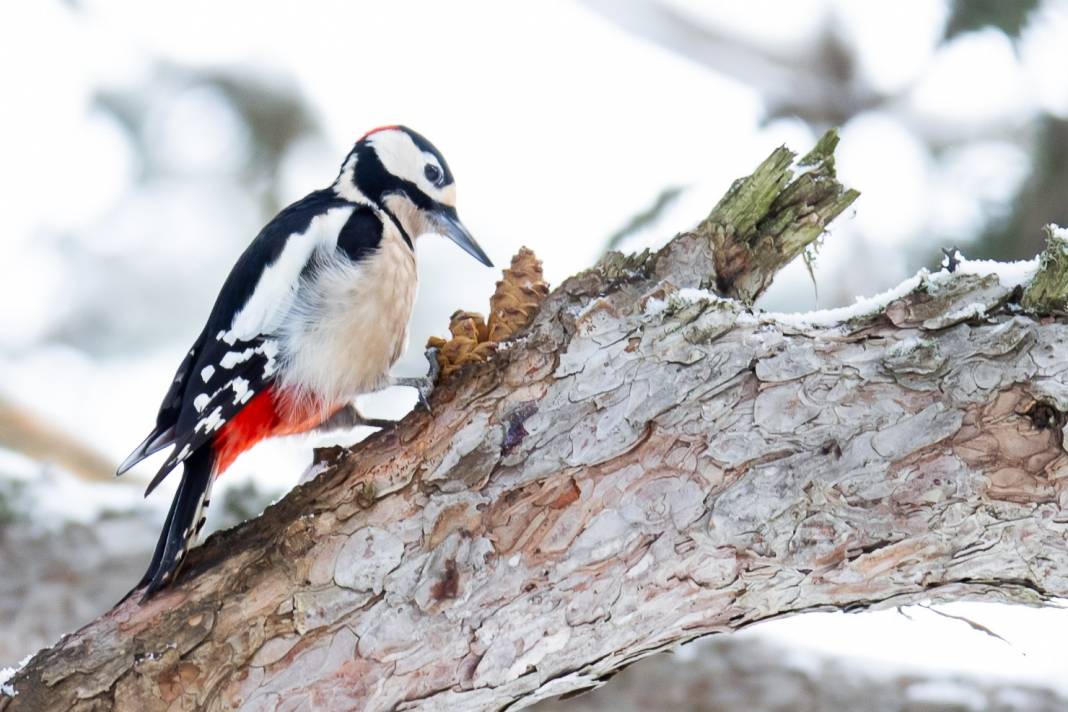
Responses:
[145,144]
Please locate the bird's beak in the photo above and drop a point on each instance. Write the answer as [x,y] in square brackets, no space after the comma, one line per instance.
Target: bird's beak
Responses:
[448,223]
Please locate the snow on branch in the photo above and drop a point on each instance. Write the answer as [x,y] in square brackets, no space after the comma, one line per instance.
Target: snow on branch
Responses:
[649,461]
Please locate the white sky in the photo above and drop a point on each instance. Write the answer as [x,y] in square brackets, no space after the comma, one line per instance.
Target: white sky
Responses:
[559,127]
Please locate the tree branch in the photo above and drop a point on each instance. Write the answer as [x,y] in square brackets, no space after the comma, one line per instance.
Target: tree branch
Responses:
[646,464]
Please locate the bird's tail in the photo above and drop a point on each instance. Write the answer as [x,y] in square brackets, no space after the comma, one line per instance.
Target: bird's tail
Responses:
[184,521]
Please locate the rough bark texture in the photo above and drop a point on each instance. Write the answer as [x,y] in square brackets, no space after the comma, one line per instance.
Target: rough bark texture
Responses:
[647,463]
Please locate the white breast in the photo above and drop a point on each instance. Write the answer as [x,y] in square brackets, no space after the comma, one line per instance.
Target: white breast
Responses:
[349,324]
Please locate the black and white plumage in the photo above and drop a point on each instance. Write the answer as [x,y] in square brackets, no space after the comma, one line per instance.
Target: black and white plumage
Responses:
[314,313]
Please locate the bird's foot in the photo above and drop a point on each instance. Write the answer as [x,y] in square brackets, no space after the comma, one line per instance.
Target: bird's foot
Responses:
[433,371]
[351,417]
[424,385]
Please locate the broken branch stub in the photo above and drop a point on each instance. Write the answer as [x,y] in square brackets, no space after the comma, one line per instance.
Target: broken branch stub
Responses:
[764,221]
[770,217]
[1048,291]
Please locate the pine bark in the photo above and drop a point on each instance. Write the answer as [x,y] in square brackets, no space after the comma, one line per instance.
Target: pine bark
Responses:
[648,462]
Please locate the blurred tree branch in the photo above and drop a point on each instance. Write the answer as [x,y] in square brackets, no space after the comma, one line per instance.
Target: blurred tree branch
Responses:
[270,108]
[1042,199]
[649,462]
[822,85]
[23,432]
[970,15]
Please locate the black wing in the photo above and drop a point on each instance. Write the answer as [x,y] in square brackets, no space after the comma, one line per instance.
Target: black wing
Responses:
[231,374]
[221,373]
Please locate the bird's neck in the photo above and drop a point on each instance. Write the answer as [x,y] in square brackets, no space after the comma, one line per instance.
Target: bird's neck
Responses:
[410,220]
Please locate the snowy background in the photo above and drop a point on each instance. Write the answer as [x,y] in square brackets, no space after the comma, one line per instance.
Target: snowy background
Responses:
[144,145]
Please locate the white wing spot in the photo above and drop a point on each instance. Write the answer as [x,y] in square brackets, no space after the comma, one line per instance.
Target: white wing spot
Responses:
[232,358]
[212,422]
[207,372]
[270,350]
[201,402]
[242,392]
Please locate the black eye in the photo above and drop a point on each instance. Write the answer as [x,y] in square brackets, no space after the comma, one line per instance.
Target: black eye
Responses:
[433,174]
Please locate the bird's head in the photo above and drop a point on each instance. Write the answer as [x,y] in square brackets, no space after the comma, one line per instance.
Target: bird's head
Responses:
[402,173]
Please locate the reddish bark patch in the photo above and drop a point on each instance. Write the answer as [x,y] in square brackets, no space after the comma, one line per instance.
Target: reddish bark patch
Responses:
[569,495]
[448,586]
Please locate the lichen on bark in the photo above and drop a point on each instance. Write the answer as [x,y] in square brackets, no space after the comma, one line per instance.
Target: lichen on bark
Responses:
[1048,291]
[771,216]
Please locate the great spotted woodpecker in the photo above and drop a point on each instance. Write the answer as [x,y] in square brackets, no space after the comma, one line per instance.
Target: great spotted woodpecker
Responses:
[314,313]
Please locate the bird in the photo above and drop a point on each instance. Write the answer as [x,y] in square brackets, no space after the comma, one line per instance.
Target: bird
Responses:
[313,313]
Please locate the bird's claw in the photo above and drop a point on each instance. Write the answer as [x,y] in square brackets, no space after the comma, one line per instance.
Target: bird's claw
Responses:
[433,372]
[424,388]
[423,385]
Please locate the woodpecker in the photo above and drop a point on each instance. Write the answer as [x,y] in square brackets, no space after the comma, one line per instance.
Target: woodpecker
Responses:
[314,313]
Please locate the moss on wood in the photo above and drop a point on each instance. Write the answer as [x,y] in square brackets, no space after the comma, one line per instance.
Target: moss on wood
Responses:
[1048,291]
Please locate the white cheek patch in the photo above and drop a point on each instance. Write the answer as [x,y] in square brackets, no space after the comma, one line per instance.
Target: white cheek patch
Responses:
[401,157]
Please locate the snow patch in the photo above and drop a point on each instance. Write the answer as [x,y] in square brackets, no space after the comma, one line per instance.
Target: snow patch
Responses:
[863,306]
[972,311]
[9,672]
[690,295]
[654,306]
[1009,274]
[681,298]
[906,346]
[6,689]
